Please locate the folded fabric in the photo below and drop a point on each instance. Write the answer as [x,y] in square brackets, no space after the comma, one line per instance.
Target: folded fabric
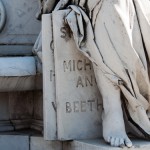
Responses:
[114,43]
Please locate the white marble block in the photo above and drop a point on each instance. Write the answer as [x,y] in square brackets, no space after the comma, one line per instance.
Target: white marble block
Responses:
[48,79]
[79,103]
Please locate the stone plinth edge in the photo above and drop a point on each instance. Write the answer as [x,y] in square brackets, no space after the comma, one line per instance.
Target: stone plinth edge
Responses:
[99,144]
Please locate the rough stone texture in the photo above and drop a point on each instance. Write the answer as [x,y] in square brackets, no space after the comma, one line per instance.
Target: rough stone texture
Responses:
[98,144]
[19,74]
[21,21]
[49,88]
[21,28]
[4,102]
[37,121]
[5,124]
[20,105]
[38,143]
[38,105]
[79,103]
[14,142]
[26,83]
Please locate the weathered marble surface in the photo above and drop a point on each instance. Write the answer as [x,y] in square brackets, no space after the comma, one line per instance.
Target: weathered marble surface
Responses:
[26,83]
[78,99]
[21,28]
[114,36]
[21,110]
[21,25]
[5,124]
[19,74]
[21,105]
[27,142]
[37,118]
[49,88]
[99,144]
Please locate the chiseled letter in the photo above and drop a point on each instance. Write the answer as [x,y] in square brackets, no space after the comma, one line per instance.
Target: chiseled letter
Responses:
[67,66]
[68,107]
[79,82]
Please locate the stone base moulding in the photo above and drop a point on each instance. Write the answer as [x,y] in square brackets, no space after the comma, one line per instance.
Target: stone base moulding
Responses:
[99,144]
[6,126]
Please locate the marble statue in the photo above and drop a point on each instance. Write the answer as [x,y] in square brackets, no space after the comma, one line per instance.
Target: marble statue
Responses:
[114,35]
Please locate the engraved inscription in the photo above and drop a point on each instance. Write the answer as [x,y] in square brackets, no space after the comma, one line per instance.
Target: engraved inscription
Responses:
[83,106]
[85,81]
[80,65]
[66,33]
[77,65]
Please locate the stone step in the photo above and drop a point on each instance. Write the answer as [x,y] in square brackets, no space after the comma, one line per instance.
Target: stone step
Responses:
[99,144]
[26,142]
[17,66]
[38,143]
[19,74]
[14,142]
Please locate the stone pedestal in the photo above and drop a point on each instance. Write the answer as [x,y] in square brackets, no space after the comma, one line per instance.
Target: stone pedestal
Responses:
[99,144]
[25,141]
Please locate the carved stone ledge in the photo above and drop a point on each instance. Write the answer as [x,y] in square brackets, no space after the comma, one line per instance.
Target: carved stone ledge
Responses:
[21,124]
[37,125]
[6,126]
[19,74]
[99,144]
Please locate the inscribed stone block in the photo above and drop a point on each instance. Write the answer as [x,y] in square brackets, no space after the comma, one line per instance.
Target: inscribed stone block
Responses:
[79,103]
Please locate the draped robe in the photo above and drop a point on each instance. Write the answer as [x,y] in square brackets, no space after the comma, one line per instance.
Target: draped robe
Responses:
[115,36]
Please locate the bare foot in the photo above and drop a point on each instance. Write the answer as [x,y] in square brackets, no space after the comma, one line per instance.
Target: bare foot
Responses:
[113,122]
[114,129]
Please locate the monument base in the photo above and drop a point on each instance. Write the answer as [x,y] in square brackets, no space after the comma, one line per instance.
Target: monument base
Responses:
[33,140]
[27,140]
[99,144]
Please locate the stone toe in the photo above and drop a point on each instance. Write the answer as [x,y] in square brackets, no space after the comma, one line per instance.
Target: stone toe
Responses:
[128,142]
[117,142]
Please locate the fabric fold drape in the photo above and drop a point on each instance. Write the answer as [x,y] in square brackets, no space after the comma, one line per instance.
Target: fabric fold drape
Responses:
[114,35]
[114,45]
